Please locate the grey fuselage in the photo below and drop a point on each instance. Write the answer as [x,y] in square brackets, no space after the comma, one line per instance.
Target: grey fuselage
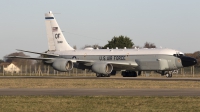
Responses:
[146,59]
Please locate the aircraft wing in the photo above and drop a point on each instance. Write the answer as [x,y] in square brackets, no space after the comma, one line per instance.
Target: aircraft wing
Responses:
[38,53]
[116,64]
[21,57]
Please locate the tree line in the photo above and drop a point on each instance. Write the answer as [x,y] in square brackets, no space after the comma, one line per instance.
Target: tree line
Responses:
[120,42]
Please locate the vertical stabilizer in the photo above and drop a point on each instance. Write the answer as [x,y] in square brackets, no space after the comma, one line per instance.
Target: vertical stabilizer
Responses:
[56,39]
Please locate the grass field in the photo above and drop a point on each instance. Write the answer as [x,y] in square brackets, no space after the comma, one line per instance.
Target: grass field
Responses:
[94,83]
[98,104]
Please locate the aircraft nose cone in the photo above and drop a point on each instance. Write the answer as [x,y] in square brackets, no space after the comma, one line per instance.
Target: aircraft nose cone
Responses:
[188,61]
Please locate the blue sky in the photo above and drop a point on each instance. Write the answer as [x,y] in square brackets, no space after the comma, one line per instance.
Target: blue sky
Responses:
[171,23]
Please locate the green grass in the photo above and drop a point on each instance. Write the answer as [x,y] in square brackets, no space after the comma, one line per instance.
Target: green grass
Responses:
[98,104]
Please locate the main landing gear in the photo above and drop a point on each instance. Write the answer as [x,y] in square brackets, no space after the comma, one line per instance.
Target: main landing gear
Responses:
[102,75]
[106,75]
[129,74]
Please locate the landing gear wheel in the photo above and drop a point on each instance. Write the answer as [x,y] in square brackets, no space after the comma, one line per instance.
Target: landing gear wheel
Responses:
[108,75]
[123,74]
[134,74]
[98,75]
[168,75]
[102,75]
[129,74]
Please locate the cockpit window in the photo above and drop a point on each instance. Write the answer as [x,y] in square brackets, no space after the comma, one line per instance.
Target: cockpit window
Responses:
[178,55]
[181,55]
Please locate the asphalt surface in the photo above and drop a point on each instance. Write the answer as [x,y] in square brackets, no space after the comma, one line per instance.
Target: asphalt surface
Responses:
[100,92]
[116,78]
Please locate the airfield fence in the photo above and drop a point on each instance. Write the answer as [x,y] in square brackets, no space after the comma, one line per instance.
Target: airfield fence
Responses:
[30,70]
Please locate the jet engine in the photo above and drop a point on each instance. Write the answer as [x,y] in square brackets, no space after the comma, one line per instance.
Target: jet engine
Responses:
[62,65]
[102,68]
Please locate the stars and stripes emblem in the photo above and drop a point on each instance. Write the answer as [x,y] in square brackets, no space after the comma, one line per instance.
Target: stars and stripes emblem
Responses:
[54,29]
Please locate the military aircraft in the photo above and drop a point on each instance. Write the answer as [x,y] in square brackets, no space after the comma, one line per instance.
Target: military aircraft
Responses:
[105,62]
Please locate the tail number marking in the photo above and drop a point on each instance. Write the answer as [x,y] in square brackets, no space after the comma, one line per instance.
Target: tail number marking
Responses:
[60,42]
[57,36]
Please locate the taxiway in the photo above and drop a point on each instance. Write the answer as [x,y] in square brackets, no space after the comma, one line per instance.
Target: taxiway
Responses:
[101,92]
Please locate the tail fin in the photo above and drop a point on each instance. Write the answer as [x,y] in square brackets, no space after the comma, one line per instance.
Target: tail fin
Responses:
[56,39]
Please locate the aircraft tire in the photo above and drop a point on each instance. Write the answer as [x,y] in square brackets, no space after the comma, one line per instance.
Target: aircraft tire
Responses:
[168,75]
[108,75]
[139,73]
[123,74]
[98,75]
[134,74]
[103,75]
[129,74]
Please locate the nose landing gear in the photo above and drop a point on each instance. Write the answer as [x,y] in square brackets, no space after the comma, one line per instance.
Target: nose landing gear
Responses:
[169,74]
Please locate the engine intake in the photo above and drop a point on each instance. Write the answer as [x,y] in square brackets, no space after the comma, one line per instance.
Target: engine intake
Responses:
[62,65]
[102,68]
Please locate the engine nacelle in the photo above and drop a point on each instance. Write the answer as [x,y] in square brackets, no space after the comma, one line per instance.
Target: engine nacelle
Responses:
[62,65]
[102,68]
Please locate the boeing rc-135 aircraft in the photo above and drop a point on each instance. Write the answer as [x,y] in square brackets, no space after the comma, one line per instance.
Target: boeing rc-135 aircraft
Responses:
[105,62]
